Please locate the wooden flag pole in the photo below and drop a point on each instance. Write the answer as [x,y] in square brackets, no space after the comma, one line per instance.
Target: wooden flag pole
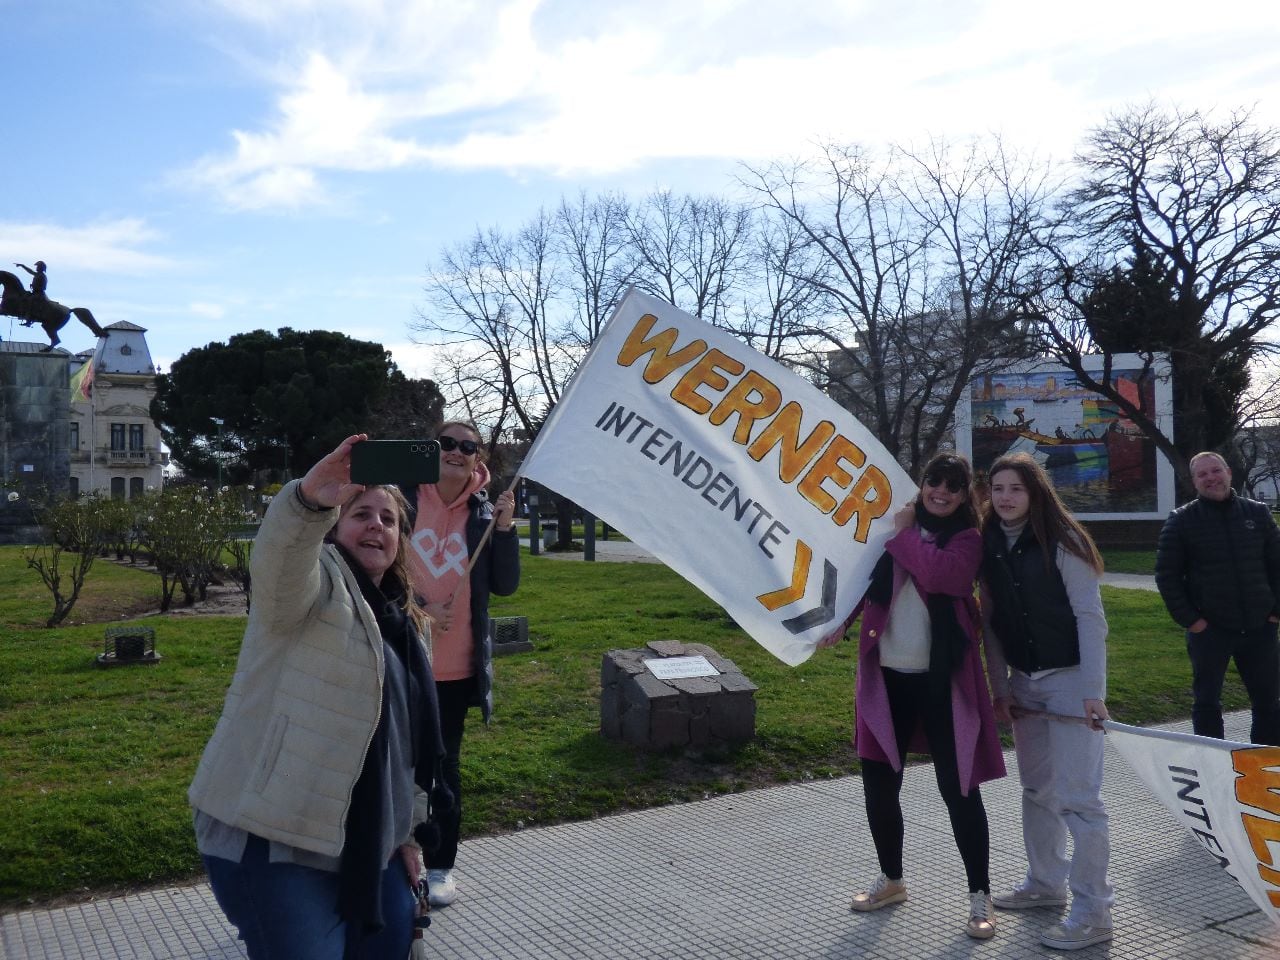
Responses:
[488,532]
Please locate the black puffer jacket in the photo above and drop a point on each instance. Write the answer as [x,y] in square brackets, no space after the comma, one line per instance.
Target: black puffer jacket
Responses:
[1220,560]
[1030,612]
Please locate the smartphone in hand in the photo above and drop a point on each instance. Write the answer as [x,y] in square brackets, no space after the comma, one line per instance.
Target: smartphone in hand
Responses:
[395,462]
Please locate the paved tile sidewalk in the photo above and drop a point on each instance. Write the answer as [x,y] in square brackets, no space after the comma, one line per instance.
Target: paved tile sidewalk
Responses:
[762,874]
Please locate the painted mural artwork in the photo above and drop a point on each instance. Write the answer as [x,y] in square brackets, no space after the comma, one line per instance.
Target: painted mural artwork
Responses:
[1098,459]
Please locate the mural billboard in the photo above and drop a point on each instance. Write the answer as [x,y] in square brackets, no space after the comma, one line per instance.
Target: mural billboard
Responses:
[1100,462]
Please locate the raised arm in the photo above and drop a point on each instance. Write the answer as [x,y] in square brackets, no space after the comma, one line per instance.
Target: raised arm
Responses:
[328,483]
[950,570]
[285,562]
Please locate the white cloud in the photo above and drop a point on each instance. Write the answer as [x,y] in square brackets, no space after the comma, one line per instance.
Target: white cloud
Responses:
[109,246]
[415,360]
[211,311]
[574,86]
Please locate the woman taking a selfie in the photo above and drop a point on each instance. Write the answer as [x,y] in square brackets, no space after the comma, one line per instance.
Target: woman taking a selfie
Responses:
[449,519]
[305,797]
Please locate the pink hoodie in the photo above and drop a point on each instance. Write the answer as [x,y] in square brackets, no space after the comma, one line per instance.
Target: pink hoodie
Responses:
[437,564]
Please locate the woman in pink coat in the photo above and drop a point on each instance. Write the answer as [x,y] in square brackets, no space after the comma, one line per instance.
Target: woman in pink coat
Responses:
[921,685]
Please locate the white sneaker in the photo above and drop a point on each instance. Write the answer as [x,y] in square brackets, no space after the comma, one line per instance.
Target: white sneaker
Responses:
[441,889]
[981,924]
[1023,897]
[880,894]
[1074,936]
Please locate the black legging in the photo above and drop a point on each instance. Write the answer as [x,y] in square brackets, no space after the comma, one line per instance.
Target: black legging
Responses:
[454,697]
[909,703]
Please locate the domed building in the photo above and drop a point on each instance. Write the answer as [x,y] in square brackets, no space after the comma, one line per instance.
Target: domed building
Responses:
[114,447]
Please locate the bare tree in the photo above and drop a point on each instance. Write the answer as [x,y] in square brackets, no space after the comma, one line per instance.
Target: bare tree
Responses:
[1255,454]
[693,252]
[526,266]
[469,317]
[915,259]
[73,530]
[780,302]
[845,205]
[490,310]
[979,207]
[600,261]
[1182,209]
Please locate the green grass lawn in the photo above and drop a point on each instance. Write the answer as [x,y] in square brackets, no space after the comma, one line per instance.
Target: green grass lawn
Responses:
[1130,561]
[94,763]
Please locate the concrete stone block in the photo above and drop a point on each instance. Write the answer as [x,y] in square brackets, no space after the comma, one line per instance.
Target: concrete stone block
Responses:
[639,708]
[610,712]
[667,648]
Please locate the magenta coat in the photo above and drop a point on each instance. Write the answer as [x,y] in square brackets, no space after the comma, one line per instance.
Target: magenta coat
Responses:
[950,570]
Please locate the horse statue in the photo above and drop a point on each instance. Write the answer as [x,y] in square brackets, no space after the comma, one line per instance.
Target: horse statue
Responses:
[31,309]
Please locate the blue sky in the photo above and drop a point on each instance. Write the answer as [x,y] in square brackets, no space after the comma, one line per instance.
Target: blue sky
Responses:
[204,167]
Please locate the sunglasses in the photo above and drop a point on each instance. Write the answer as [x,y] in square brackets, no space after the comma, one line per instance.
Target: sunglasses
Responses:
[447,444]
[954,484]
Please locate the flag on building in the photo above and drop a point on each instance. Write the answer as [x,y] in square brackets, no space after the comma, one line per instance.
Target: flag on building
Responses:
[82,382]
[739,475]
[1227,796]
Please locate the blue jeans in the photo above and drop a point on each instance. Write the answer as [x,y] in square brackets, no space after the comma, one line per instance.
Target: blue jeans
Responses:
[284,910]
[1257,656]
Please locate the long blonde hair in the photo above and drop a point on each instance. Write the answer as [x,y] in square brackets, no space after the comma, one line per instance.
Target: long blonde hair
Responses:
[1048,516]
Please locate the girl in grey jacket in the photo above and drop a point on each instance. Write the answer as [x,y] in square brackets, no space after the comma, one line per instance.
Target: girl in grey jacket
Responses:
[1042,611]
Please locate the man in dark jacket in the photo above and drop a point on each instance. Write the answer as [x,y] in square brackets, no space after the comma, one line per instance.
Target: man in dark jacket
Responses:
[1218,570]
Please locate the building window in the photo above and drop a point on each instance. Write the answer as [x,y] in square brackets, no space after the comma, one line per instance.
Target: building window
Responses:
[125,350]
[117,488]
[135,437]
[117,437]
[135,487]
[74,440]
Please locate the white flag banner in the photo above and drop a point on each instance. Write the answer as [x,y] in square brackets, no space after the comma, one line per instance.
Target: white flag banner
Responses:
[1226,794]
[739,475]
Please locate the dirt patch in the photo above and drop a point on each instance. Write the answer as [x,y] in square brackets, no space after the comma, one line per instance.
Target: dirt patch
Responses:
[222,599]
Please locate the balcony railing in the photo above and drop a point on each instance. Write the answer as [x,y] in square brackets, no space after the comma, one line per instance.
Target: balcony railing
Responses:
[147,457]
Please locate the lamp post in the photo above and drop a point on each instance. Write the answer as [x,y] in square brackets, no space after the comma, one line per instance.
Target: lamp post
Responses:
[218,421]
[532,500]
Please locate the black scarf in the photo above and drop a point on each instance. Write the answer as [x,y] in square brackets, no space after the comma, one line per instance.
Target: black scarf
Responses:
[361,864]
[948,642]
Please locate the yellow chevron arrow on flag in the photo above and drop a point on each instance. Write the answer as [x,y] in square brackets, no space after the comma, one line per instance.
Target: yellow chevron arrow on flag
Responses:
[799,581]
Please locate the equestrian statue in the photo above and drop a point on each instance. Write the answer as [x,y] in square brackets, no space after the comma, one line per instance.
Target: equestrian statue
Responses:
[34,306]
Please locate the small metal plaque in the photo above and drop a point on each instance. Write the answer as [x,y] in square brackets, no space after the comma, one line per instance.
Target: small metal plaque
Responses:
[673,668]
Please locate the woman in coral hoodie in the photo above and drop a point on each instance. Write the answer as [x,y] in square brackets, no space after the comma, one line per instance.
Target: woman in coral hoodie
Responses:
[449,520]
